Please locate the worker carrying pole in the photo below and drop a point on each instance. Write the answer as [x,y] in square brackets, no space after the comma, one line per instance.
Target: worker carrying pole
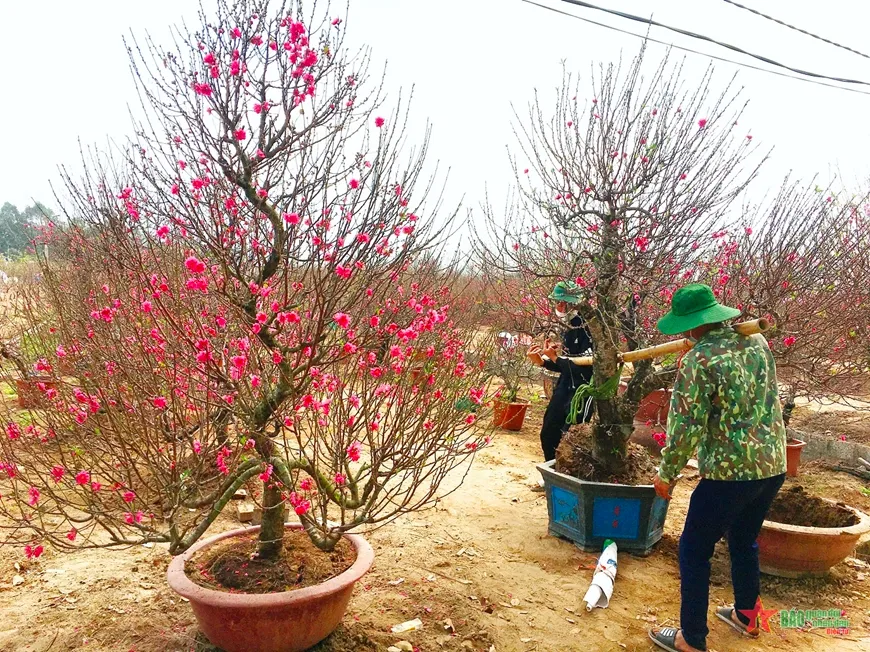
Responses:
[745,328]
[725,405]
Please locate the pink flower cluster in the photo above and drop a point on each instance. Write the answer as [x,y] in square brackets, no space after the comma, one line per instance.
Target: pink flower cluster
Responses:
[300,504]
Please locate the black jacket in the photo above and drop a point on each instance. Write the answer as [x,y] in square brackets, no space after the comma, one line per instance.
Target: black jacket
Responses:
[576,341]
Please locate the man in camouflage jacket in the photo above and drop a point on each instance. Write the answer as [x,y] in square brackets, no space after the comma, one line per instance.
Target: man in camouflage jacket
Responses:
[725,405]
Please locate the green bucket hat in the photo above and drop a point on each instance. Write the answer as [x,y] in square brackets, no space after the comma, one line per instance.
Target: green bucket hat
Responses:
[692,306]
[567,291]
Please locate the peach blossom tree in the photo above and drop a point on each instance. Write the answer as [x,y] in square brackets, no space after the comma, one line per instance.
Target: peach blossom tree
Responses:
[801,262]
[637,190]
[249,290]
[619,190]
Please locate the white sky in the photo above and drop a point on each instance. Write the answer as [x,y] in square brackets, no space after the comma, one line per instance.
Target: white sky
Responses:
[64,76]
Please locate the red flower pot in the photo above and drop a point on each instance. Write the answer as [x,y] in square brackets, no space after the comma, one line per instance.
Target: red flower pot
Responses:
[799,551]
[29,393]
[654,407]
[291,621]
[509,416]
[793,456]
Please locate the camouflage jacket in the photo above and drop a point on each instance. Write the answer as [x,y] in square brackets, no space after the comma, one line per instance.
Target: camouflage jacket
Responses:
[726,405]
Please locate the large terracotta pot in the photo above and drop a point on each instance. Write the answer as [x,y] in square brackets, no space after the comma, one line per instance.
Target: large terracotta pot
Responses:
[798,551]
[509,416]
[793,456]
[291,621]
[654,407]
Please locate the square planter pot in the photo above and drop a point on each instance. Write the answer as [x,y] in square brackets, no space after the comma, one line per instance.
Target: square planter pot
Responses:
[588,513]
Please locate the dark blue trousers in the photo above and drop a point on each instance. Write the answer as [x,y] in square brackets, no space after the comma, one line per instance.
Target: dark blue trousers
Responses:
[555,424]
[721,508]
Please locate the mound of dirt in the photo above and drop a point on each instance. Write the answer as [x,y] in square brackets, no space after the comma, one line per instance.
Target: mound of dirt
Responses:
[794,506]
[574,457]
[228,566]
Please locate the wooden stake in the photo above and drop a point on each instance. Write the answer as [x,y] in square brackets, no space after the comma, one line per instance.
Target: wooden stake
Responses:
[676,346]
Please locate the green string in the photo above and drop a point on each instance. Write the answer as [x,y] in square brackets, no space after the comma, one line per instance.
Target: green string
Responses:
[606,390]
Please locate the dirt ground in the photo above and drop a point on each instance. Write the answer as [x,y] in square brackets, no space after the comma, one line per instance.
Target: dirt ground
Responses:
[482,559]
[833,421]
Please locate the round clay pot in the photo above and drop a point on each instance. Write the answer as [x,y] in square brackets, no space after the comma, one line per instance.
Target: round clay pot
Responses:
[798,551]
[509,416]
[654,407]
[793,456]
[290,621]
[29,393]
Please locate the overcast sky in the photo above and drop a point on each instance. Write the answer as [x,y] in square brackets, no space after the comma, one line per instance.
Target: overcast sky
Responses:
[65,77]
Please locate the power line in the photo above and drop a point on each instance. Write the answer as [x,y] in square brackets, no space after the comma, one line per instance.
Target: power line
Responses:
[647,21]
[703,54]
[798,29]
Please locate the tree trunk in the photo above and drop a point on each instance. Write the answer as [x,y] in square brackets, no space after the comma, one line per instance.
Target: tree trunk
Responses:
[786,411]
[788,406]
[610,436]
[272,529]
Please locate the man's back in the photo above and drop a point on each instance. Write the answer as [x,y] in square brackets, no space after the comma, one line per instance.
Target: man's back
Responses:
[726,402]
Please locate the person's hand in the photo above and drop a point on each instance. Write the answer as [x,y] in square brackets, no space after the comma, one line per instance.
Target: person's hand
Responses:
[534,355]
[663,489]
[549,350]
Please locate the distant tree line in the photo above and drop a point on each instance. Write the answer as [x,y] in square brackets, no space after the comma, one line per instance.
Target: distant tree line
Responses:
[17,227]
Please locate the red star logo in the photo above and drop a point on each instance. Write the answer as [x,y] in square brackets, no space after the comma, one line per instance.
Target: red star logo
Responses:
[759,617]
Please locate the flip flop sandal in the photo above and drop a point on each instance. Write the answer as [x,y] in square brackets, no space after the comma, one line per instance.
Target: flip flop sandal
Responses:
[665,638]
[725,613]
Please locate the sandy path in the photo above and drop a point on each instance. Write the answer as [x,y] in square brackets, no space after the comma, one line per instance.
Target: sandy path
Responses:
[531,583]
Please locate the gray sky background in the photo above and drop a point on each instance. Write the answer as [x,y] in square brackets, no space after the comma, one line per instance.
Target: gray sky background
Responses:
[65,77]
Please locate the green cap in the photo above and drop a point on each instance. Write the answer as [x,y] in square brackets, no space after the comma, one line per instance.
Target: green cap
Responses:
[693,306]
[567,291]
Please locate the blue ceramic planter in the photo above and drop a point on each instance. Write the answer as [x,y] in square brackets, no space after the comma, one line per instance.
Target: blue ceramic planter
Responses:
[588,513]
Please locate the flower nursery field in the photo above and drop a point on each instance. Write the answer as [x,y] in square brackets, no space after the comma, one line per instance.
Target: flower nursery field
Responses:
[480,571]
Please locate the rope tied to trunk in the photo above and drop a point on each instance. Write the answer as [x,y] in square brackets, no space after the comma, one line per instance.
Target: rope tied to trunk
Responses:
[605,390]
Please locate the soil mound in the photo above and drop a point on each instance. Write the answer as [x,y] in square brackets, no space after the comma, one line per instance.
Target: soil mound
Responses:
[794,506]
[574,457]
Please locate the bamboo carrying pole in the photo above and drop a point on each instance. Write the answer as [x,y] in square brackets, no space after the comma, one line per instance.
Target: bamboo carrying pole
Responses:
[677,346]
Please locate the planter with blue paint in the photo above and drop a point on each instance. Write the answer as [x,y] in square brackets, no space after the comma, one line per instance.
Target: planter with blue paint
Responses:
[589,513]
